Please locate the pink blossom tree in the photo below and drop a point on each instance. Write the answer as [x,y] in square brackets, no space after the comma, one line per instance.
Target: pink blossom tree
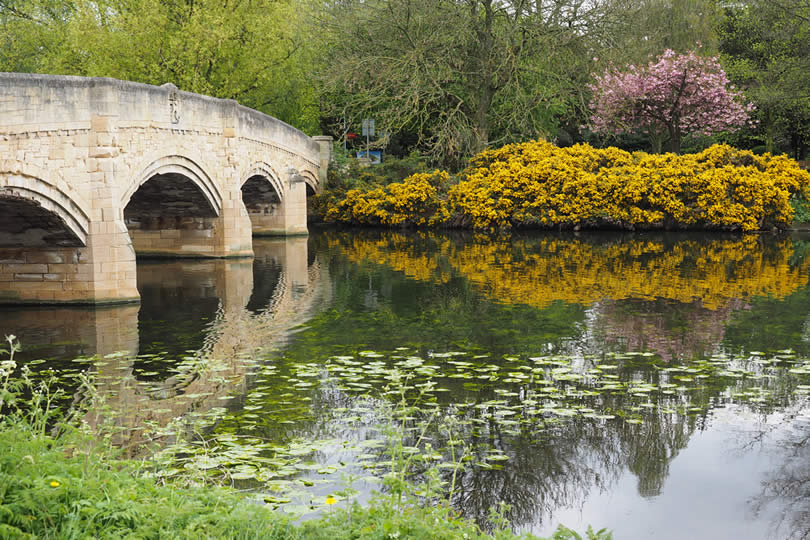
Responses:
[676,94]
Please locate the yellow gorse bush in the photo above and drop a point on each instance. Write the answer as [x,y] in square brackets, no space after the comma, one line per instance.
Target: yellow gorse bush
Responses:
[536,184]
[414,201]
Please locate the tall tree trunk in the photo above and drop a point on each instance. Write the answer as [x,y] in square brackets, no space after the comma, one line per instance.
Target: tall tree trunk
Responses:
[656,142]
[769,131]
[481,127]
[482,53]
[675,138]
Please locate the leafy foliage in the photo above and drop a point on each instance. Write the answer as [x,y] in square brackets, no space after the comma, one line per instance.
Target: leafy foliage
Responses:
[461,75]
[766,51]
[347,173]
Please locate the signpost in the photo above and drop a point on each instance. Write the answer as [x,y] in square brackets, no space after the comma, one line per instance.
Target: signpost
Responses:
[368,132]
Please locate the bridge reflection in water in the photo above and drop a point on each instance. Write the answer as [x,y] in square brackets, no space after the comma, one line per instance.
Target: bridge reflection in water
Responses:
[214,320]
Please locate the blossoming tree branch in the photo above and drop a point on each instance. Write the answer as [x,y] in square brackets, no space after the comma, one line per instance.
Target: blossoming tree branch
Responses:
[675,95]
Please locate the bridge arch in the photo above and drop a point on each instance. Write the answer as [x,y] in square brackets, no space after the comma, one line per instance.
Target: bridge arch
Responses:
[30,201]
[266,171]
[311,181]
[176,164]
[265,198]
[174,207]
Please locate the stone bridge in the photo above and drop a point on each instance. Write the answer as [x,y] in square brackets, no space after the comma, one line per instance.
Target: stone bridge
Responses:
[95,170]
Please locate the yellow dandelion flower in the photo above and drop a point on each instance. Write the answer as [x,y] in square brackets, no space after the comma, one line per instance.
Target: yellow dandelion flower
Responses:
[55,483]
[331,500]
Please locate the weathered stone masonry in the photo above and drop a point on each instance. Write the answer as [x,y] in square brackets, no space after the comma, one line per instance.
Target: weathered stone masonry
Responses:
[94,170]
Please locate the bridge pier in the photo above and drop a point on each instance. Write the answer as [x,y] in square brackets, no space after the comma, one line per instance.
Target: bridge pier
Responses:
[270,216]
[101,272]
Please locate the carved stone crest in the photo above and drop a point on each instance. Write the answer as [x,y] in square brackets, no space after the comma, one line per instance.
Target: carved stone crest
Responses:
[174,103]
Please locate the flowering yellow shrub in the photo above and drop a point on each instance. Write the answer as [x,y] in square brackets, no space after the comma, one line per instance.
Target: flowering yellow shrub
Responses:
[536,184]
[414,201]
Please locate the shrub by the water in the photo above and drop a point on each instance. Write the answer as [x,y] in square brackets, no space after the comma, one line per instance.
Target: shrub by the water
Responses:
[414,201]
[536,184]
[347,173]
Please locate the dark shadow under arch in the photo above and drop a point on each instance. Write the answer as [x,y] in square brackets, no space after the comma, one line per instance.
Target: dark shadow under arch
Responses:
[26,223]
[167,201]
[260,195]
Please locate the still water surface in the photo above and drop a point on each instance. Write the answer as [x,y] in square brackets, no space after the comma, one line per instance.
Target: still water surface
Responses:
[656,385]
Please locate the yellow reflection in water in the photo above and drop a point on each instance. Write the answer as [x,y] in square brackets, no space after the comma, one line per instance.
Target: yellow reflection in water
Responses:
[538,271]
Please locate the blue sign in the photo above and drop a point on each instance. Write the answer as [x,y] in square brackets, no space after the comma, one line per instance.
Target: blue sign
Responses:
[374,155]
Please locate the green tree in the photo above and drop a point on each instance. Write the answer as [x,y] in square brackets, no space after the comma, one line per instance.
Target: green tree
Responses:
[650,27]
[31,30]
[461,74]
[766,48]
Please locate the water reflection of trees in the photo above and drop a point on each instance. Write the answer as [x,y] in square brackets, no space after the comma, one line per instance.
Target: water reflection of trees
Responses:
[669,328]
[421,300]
[560,465]
[556,463]
[429,317]
[788,486]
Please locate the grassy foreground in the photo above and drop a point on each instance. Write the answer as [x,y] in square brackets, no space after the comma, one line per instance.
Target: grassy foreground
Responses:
[51,489]
[62,478]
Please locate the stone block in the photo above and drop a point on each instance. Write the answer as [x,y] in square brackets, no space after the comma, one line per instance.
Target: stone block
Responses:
[28,284]
[62,268]
[103,152]
[47,257]
[77,286]
[27,268]
[100,123]
[109,214]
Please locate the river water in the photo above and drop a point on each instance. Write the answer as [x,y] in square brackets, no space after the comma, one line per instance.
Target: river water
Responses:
[656,385]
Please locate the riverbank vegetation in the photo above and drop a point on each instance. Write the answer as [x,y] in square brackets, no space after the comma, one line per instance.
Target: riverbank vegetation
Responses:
[63,476]
[538,185]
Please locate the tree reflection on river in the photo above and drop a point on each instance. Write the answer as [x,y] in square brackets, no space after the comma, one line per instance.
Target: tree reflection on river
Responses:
[617,380]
